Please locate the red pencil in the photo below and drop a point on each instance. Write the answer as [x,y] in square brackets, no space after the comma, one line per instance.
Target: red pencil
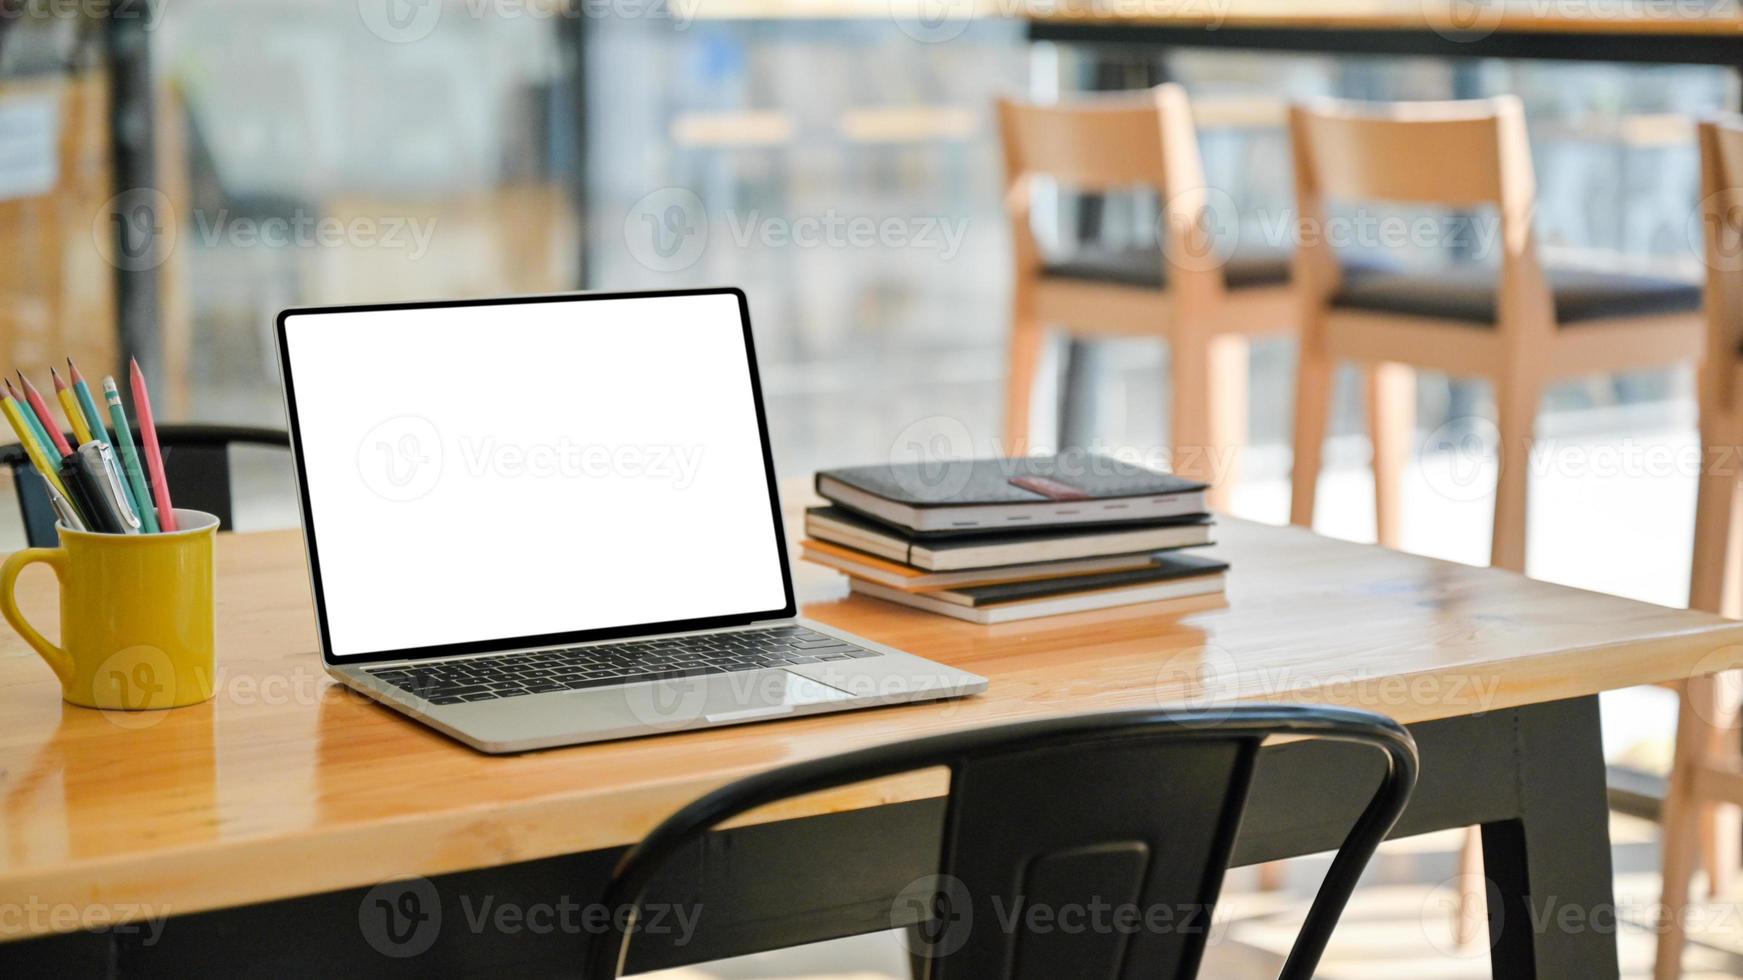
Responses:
[40,407]
[166,515]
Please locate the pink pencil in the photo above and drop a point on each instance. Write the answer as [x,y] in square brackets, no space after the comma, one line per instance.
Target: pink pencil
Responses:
[40,407]
[166,515]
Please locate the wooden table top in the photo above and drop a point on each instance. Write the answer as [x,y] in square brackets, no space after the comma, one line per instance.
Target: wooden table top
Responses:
[287,785]
[1613,17]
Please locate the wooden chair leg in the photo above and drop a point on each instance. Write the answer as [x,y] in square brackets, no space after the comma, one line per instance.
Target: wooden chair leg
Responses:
[1713,578]
[1391,390]
[1516,402]
[1209,394]
[1721,833]
[1027,341]
[1313,391]
[1680,820]
[1472,910]
[1273,875]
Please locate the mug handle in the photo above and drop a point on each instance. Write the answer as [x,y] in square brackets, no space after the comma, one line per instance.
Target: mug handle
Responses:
[55,558]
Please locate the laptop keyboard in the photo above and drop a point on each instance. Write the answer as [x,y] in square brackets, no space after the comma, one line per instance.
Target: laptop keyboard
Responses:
[511,675]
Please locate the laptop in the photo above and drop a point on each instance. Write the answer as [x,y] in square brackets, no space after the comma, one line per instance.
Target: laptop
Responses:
[548,520]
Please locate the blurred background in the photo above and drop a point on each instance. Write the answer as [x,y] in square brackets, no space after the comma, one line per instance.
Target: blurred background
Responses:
[840,163]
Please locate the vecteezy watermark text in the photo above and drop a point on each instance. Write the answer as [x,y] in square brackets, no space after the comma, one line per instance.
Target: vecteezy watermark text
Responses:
[406,21]
[403,917]
[490,456]
[300,229]
[668,230]
[33,916]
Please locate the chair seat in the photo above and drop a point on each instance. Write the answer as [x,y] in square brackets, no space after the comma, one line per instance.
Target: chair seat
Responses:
[1142,268]
[1468,293]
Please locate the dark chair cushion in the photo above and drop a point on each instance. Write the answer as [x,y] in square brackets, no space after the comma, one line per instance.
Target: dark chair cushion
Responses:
[1467,293]
[1142,268]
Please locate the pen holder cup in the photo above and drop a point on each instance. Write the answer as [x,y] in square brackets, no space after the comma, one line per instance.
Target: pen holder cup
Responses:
[137,620]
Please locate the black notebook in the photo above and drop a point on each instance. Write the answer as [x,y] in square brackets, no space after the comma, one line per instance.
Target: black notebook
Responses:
[1013,493]
[981,549]
[1164,568]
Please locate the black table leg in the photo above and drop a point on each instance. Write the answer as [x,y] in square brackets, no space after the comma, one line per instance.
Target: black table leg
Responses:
[1552,910]
[139,220]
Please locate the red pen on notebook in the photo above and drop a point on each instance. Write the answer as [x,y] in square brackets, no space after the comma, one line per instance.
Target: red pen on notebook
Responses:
[166,515]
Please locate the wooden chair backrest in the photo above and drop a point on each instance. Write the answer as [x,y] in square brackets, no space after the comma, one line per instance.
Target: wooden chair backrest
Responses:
[1721,216]
[1102,143]
[1459,154]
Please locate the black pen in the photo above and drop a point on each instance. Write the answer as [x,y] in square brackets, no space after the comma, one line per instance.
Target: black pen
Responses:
[94,480]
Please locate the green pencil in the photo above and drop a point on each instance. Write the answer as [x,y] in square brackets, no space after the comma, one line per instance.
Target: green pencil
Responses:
[130,459]
[87,403]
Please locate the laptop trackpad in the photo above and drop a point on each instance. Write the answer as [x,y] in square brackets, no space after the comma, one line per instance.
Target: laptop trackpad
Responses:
[763,694]
[721,698]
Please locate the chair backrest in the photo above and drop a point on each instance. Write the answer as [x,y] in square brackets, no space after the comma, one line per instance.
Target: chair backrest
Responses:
[1721,143]
[196,464]
[1129,809]
[1107,142]
[1457,154]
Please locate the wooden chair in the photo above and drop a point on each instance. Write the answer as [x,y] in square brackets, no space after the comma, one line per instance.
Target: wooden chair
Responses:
[1522,327]
[1203,302]
[1707,770]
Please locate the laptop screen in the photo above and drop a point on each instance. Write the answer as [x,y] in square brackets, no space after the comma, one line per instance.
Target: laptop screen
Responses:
[481,476]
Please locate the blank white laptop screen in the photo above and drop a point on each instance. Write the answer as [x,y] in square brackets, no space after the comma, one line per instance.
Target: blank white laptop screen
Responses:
[488,472]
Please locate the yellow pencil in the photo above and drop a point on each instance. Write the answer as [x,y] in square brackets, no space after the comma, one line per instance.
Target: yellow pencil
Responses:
[26,438]
[70,405]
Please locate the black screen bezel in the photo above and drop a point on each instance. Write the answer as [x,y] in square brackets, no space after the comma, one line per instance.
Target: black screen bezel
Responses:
[543,639]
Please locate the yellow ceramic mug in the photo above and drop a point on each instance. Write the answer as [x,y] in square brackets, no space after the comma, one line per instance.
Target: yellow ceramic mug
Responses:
[136,614]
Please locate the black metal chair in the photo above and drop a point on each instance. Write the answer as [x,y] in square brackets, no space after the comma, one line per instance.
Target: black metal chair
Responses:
[196,463]
[1129,809]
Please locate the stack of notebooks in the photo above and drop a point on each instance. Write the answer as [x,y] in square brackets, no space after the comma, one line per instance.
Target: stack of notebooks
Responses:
[997,540]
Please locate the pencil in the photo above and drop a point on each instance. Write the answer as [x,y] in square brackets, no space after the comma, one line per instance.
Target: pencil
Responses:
[166,515]
[35,450]
[129,458]
[45,417]
[29,415]
[70,405]
[88,404]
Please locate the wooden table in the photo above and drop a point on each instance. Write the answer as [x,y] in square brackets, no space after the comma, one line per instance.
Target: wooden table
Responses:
[288,791]
[1614,30]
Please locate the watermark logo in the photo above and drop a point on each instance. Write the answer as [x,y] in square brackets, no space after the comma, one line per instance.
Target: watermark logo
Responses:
[1198,679]
[933,21]
[135,231]
[932,458]
[401,458]
[1459,458]
[1199,229]
[667,230]
[1464,21]
[133,684]
[1718,221]
[401,917]
[1445,903]
[400,21]
[668,704]
[941,912]
[1723,665]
